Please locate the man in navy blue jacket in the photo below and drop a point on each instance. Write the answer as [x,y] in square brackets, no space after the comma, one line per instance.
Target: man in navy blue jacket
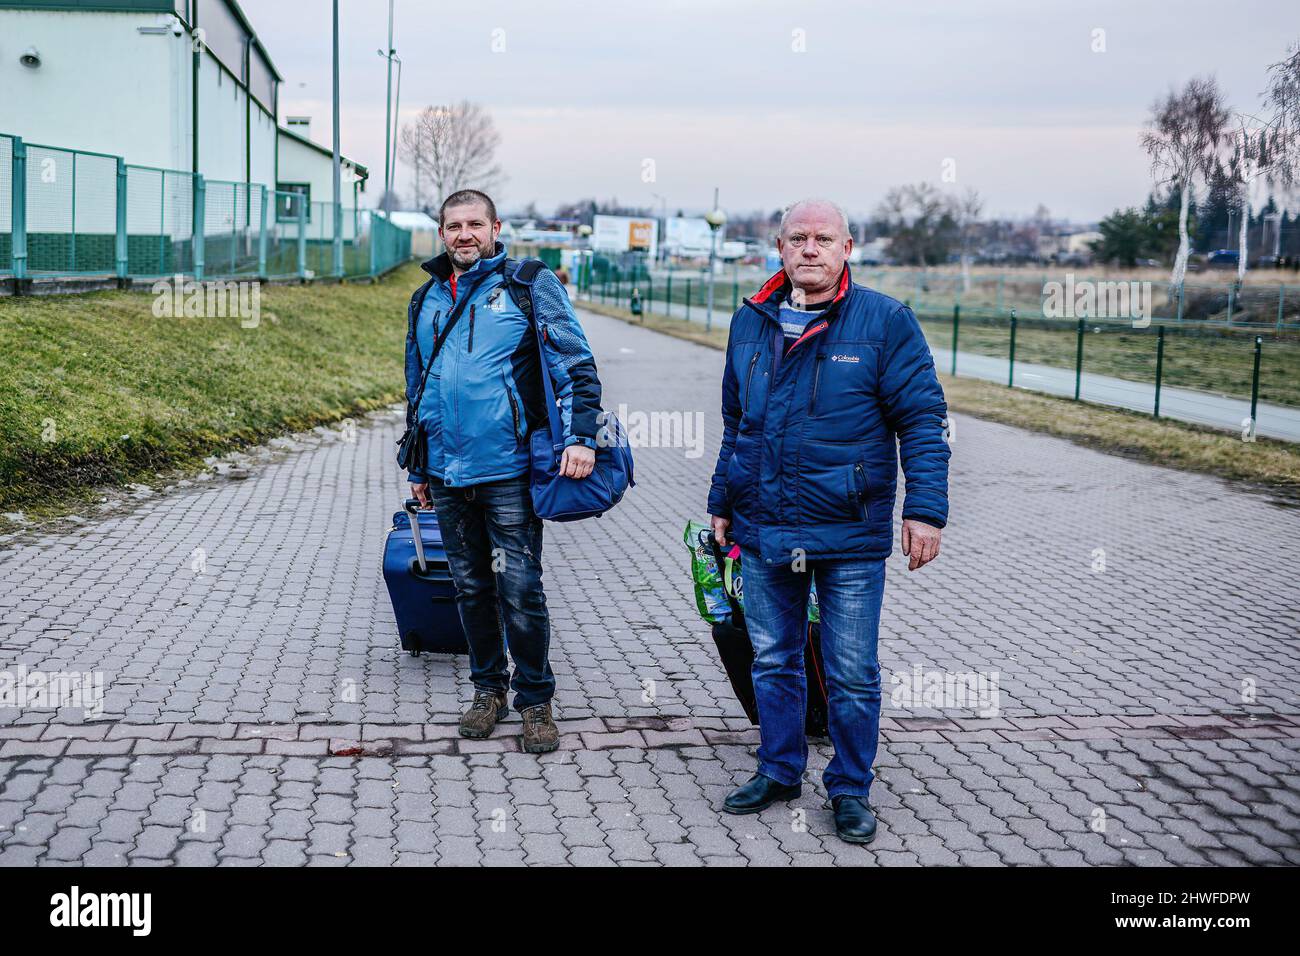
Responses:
[823,380]
[478,400]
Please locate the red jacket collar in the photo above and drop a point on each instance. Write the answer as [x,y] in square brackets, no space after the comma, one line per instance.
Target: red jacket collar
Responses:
[779,285]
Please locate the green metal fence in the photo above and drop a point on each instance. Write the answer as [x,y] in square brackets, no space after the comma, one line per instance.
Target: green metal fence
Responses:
[231,228]
[71,211]
[1256,304]
[67,212]
[6,205]
[1235,378]
[1229,370]
[159,222]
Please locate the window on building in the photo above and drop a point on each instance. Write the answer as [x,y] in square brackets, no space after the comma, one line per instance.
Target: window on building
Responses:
[289,197]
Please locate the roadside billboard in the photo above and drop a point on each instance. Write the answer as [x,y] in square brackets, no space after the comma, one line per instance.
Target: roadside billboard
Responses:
[625,234]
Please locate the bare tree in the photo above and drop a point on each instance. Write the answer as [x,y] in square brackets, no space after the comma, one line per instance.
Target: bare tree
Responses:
[417,187]
[1282,99]
[1249,156]
[968,209]
[1267,148]
[454,147]
[920,221]
[1185,133]
[389,200]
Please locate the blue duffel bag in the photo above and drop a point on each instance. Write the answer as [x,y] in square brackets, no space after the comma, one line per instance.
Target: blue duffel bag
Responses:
[555,497]
[419,584]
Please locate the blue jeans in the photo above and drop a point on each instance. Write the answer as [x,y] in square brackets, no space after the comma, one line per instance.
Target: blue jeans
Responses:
[494,549]
[849,593]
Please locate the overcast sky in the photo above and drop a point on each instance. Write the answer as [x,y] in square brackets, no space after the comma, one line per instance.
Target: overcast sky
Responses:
[714,92]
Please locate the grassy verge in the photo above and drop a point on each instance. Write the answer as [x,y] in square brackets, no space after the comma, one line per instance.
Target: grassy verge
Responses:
[1273,464]
[1222,363]
[96,390]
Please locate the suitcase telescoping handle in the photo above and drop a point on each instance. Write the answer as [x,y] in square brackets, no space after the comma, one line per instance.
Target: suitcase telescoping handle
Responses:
[412,507]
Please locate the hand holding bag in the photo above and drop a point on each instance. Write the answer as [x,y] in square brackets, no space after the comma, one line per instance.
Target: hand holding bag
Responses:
[555,497]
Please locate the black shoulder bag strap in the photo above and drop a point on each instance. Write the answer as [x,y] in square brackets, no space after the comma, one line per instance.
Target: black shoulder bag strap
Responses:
[438,341]
[413,433]
[519,282]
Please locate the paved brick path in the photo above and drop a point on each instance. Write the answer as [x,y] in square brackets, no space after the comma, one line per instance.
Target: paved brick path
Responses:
[260,712]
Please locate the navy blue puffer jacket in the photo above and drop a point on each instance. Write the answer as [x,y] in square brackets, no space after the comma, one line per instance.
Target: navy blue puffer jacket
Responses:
[808,458]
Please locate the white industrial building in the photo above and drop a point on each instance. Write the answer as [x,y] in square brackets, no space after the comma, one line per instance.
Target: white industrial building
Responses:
[182,85]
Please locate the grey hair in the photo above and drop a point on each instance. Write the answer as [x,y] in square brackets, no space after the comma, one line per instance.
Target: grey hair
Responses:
[844,219]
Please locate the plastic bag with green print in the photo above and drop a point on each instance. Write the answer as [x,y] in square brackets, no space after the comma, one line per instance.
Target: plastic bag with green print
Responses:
[712,585]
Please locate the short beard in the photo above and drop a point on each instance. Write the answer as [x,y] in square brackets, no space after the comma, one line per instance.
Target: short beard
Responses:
[475,255]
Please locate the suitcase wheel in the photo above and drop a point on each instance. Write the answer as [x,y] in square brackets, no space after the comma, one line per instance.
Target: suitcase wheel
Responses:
[415,652]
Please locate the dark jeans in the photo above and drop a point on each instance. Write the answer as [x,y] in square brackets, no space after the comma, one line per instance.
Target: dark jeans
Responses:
[849,594]
[494,549]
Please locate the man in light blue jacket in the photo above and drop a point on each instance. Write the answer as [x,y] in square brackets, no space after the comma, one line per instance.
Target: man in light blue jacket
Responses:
[477,401]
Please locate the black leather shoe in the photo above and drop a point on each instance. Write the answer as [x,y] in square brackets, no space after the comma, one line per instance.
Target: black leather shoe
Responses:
[854,821]
[758,794]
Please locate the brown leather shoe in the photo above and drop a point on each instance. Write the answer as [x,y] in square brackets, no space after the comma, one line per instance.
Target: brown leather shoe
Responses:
[540,733]
[483,713]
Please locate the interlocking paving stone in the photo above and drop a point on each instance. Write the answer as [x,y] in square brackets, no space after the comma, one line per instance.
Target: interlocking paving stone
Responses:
[1120,691]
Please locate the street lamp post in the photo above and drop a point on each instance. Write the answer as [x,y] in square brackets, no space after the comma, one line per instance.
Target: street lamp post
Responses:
[392,119]
[389,145]
[663,234]
[716,218]
[397,121]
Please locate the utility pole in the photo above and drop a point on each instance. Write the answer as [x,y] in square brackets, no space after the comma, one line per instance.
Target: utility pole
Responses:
[338,185]
[388,111]
[397,120]
[716,219]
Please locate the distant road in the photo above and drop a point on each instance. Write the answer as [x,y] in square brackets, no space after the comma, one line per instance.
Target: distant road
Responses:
[1183,404]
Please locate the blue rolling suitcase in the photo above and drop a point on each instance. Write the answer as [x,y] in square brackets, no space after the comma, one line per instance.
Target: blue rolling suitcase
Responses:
[419,583]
